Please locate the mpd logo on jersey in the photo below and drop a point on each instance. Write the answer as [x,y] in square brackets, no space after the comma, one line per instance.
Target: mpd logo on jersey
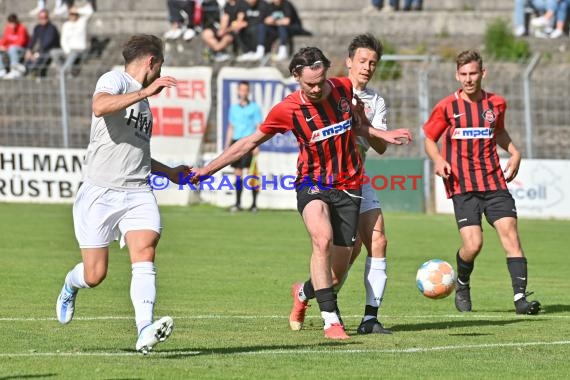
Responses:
[330,131]
[472,133]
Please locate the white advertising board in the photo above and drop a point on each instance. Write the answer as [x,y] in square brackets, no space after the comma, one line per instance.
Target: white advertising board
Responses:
[541,190]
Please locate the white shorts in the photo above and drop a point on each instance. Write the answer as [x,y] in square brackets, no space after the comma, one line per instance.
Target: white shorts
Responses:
[101,215]
[369,198]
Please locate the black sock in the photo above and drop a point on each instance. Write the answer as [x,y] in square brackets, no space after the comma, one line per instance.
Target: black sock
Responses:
[464,269]
[239,188]
[371,310]
[326,299]
[518,270]
[308,289]
[254,196]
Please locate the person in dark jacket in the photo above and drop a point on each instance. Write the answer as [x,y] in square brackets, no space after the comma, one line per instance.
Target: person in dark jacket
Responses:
[45,37]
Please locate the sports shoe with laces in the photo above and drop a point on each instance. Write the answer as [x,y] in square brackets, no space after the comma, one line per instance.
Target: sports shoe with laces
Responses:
[372,326]
[522,306]
[65,305]
[154,333]
[297,316]
[462,297]
[336,331]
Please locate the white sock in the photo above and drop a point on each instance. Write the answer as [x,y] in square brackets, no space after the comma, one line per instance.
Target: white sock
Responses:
[375,280]
[143,292]
[260,50]
[329,318]
[75,278]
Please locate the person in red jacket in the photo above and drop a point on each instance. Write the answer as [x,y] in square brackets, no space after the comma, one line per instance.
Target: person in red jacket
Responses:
[13,43]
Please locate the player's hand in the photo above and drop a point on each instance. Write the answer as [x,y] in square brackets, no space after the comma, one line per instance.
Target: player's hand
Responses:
[195,180]
[179,173]
[512,167]
[159,84]
[442,169]
[395,136]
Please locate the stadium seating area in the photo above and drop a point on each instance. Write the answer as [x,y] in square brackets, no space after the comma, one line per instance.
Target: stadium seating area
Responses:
[442,28]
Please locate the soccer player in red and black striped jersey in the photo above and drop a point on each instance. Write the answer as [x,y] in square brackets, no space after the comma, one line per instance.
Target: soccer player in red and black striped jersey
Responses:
[324,120]
[471,123]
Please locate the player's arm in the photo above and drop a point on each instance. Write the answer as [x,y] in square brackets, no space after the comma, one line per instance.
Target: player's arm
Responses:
[364,128]
[105,103]
[441,167]
[232,154]
[175,174]
[504,141]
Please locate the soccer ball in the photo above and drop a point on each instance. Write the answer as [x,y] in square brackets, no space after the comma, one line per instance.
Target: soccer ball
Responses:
[435,279]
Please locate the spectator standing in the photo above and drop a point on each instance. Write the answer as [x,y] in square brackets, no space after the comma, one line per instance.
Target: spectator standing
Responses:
[45,37]
[13,43]
[181,18]
[244,118]
[73,38]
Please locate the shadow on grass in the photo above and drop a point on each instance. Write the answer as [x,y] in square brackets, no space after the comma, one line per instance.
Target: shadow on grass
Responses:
[556,308]
[453,324]
[245,350]
[36,376]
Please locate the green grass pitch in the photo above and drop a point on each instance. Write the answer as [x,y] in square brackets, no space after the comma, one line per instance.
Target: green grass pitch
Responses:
[225,279]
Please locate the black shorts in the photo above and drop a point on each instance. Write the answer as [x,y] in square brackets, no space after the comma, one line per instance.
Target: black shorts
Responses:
[244,162]
[344,210]
[470,207]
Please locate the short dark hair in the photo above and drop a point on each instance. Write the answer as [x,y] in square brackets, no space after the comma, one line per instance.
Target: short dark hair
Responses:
[306,57]
[141,45]
[366,41]
[244,82]
[13,18]
[468,56]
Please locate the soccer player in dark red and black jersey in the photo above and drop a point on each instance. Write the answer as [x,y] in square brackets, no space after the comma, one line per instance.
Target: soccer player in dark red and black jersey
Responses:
[471,123]
[324,120]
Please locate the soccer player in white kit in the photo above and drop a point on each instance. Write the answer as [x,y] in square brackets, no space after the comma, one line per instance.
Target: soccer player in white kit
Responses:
[364,52]
[115,199]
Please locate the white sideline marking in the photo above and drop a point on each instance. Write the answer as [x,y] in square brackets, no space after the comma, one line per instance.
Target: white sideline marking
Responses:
[410,350]
[214,316]
[229,316]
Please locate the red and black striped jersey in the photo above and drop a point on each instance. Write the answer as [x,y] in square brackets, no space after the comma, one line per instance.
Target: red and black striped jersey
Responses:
[469,144]
[328,153]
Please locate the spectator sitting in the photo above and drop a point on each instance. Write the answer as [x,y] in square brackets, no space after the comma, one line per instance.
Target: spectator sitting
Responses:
[45,37]
[219,34]
[413,5]
[13,42]
[181,12]
[62,6]
[73,38]
[281,21]
[551,23]
[393,5]
[247,37]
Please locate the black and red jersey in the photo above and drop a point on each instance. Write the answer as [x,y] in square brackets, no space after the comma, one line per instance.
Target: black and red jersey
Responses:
[468,144]
[328,153]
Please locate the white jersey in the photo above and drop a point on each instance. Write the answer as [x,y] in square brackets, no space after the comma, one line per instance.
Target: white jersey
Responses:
[118,155]
[375,110]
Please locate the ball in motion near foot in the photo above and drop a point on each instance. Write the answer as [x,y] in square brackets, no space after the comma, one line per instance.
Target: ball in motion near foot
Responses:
[435,279]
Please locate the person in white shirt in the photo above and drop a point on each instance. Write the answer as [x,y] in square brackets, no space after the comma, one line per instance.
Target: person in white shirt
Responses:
[73,39]
[116,199]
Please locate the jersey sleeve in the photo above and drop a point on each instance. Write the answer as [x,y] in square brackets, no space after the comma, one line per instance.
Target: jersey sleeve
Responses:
[502,110]
[437,122]
[279,119]
[380,117]
[112,83]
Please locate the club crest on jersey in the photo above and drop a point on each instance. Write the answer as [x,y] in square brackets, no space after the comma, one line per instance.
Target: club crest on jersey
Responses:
[489,116]
[472,133]
[331,131]
[343,105]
